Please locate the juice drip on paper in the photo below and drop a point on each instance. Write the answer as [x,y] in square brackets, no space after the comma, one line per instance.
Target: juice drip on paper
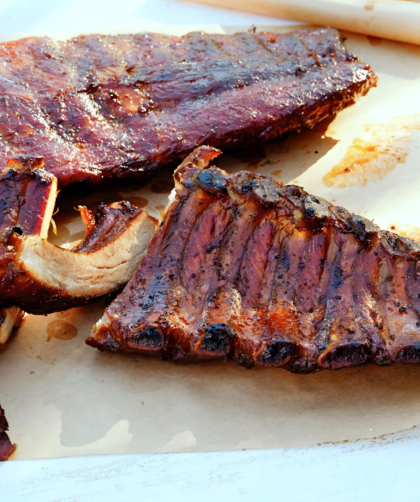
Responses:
[370,161]
[62,330]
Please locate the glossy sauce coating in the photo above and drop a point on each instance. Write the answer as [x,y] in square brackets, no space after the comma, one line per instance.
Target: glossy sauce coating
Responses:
[98,107]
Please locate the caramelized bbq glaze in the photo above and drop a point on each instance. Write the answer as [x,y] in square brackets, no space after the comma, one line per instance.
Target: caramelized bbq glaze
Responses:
[100,106]
[243,268]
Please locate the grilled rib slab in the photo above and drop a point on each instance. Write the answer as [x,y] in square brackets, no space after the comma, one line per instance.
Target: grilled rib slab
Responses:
[101,106]
[243,268]
[41,278]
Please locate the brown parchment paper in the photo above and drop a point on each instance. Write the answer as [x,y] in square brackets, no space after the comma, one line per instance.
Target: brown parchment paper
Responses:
[65,398]
[394,19]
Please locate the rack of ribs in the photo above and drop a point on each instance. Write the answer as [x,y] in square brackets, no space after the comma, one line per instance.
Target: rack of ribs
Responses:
[243,268]
[99,107]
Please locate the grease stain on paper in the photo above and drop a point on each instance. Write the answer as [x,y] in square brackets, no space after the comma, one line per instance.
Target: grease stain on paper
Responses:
[370,161]
[61,330]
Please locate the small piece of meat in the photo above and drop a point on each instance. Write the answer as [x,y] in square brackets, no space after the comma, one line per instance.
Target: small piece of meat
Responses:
[6,447]
[27,198]
[99,106]
[243,268]
[39,277]
[10,319]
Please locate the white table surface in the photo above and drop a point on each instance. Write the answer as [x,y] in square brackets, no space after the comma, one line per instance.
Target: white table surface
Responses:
[363,471]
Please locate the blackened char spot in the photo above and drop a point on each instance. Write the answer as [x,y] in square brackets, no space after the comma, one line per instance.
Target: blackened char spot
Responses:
[397,245]
[364,227]
[266,189]
[212,180]
[351,354]
[17,229]
[246,186]
[337,278]
[303,367]
[410,354]
[148,337]
[276,352]
[216,338]
[316,207]
[244,360]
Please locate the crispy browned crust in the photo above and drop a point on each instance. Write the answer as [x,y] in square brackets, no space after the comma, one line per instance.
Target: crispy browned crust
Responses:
[6,446]
[25,194]
[109,223]
[243,268]
[98,107]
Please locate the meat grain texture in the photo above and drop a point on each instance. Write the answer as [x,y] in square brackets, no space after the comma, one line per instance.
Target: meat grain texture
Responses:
[243,268]
[98,107]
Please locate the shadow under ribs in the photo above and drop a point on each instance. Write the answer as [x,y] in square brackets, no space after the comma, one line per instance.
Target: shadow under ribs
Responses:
[100,106]
[243,268]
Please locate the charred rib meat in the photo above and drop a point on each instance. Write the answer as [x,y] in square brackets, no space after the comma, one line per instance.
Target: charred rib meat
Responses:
[243,268]
[41,278]
[100,106]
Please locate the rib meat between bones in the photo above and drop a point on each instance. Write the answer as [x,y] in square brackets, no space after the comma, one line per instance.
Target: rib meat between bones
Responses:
[39,277]
[99,106]
[243,268]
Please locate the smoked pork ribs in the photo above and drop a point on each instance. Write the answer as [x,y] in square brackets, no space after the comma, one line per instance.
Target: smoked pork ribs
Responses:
[39,277]
[98,107]
[243,268]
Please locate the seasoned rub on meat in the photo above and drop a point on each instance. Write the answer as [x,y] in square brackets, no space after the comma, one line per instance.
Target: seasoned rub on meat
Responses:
[243,268]
[39,277]
[100,106]
[6,447]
